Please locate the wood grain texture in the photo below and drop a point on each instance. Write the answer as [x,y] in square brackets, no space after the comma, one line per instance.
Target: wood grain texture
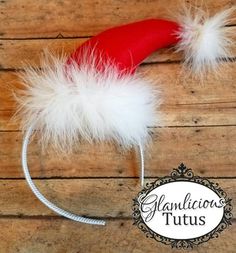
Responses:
[16,54]
[89,197]
[46,19]
[219,114]
[210,151]
[118,236]
[176,86]
[197,128]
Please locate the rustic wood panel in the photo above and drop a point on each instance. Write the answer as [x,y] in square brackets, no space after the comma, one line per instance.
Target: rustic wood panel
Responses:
[198,128]
[15,54]
[219,114]
[118,236]
[89,197]
[30,19]
[169,78]
[211,151]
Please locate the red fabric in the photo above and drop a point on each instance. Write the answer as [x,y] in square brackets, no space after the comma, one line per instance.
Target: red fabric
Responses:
[128,45]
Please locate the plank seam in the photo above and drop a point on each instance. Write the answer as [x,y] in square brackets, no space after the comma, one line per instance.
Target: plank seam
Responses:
[228,60]
[54,217]
[154,127]
[61,36]
[99,178]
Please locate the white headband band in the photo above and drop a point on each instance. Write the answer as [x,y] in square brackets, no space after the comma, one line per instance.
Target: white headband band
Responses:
[48,203]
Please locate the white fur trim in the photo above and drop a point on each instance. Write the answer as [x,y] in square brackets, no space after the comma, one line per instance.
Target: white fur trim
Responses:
[204,40]
[97,106]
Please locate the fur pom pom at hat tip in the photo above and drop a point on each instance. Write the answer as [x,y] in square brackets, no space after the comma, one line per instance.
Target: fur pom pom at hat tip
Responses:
[205,40]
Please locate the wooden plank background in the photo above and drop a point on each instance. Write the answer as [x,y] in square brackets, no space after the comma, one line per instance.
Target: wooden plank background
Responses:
[199,128]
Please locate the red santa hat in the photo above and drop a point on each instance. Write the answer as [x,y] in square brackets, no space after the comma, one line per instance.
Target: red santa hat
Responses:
[95,94]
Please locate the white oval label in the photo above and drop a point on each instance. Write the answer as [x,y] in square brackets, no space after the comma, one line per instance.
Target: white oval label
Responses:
[182,210]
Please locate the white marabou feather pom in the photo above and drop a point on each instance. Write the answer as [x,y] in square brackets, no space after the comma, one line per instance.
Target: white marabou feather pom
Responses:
[204,40]
[87,104]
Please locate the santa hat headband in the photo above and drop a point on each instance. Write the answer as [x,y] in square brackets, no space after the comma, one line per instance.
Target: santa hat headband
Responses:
[96,95]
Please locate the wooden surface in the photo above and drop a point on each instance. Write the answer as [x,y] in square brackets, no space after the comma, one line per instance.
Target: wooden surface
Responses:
[199,128]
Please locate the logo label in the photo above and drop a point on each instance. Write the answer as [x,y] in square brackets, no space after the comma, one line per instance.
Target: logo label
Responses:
[182,209]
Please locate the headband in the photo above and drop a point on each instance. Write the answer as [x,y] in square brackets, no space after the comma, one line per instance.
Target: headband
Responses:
[96,95]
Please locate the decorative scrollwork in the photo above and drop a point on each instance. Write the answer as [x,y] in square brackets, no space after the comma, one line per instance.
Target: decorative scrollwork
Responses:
[182,173]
